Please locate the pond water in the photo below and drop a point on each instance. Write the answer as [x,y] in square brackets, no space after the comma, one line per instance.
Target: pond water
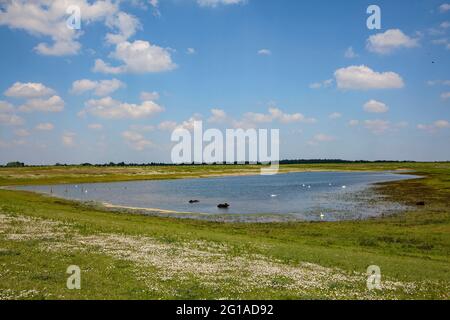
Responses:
[329,196]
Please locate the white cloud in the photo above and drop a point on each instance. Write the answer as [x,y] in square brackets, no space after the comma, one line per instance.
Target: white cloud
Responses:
[364,78]
[68,139]
[324,84]
[28,90]
[191,51]
[95,126]
[335,115]
[149,96]
[11,119]
[374,106]
[102,67]
[101,88]
[22,132]
[136,140]
[377,126]
[435,126]
[438,82]
[109,108]
[445,95]
[265,52]
[137,57]
[167,125]
[52,104]
[142,128]
[218,116]
[350,53]
[215,3]
[444,7]
[389,41]
[321,137]
[353,123]
[276,114]
[6,107]
[48,18]
[125,26]
[45,126]
[444,42]
[442,124]
[445,25]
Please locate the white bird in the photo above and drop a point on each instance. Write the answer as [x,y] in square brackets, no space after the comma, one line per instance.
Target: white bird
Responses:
[322,216]
[344,187]
[273,195]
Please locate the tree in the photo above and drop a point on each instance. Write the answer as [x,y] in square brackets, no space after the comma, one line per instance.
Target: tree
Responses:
[15,164]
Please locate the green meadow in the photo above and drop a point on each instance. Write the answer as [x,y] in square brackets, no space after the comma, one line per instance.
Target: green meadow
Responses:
[123,255]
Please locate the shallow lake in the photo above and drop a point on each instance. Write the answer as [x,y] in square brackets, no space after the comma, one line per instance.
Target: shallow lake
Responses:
[329,196]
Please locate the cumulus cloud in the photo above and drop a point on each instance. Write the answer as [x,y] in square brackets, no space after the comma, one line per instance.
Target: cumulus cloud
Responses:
[136,140]
[218,116]
[11,119]
[350,53]
[48,18]
[137,57]
[324,84]
[152,96]
[101,88]
[321,137]
[389,41]
[335,115]
[438,82]
[125,26]
[45,126]
[377,126]
[444,7]
[68,139]
[445,25]
[435,126]
[109,108]
[276,114]
[52,104]
[95,126]
[445,95]
[167,125]
[28,90]
[444,42]
[364,78]
[374,106]
[264,52]
[6,107]
[215,3]
[22,132]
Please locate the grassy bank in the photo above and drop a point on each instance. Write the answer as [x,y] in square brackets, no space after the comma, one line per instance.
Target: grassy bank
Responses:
[122,255]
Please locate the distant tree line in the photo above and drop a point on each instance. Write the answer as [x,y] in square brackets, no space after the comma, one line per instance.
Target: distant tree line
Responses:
[17,164]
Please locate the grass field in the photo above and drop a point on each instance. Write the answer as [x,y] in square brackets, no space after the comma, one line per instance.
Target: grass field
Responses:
[130,256]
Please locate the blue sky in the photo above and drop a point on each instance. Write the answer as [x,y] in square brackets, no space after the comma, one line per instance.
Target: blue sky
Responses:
[115,89]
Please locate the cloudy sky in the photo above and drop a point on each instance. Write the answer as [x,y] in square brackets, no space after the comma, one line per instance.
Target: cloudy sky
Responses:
[116,88]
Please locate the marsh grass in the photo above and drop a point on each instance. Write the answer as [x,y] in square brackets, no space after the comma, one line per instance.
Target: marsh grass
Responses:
[130,256]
